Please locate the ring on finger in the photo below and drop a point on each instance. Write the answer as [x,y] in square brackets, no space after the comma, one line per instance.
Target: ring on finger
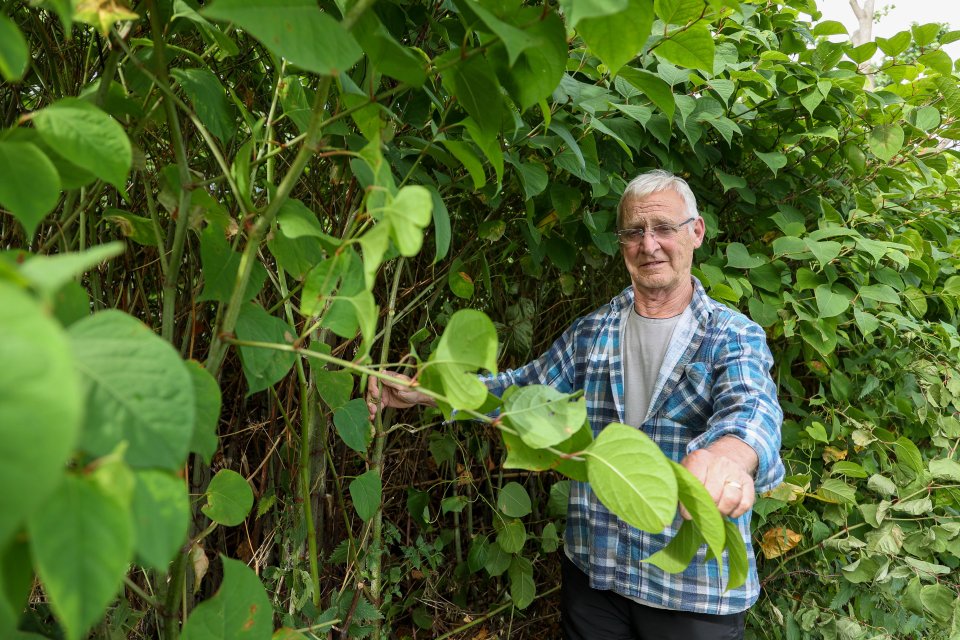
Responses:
[734,484]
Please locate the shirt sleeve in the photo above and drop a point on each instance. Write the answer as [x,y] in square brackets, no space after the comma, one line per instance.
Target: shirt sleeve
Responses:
[745,403]
[556,368]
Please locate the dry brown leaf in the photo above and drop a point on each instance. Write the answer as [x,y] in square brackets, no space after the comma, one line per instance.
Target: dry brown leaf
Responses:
[778,541]
[833,454]
[200,565]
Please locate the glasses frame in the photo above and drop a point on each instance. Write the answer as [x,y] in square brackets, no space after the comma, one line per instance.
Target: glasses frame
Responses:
[635,236]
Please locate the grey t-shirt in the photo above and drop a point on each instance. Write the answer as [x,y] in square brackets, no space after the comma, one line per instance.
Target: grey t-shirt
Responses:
[644,344]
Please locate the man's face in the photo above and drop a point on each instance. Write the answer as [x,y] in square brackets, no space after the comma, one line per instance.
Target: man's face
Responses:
[660,266]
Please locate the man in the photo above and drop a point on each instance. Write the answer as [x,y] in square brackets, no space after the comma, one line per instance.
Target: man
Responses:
[694,375]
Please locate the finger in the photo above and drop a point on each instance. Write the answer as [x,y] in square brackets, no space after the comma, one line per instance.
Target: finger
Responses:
[684,513]
[747,497]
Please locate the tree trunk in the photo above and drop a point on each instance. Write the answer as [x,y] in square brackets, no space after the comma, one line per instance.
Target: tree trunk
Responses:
[865,18]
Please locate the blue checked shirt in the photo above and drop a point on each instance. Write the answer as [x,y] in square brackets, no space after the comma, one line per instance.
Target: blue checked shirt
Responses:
[715,381]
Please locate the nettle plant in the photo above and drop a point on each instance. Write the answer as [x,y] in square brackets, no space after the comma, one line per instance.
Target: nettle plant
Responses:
[310,193]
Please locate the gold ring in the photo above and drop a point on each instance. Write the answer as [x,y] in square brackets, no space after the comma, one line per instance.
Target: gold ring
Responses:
[734,484]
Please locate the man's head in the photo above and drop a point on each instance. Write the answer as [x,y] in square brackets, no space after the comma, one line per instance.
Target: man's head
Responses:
[660,257]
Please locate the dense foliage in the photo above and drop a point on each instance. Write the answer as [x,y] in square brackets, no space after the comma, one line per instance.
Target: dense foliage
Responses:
[307,194]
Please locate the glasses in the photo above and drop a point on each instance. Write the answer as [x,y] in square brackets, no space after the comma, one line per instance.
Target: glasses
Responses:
[659,232]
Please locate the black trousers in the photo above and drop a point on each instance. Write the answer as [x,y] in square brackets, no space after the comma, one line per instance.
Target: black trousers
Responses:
[589,614]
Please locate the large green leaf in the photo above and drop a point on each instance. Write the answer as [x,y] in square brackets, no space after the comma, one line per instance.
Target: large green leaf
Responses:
[161,515]
[617,38]
[16,583]
[263,367]
[523,589]
[676,556]
[88,137]
[208,99]
[653,87]
[31,185]
[829,302]
[679,12]
[220,267]
[737,564]
[82,542]
[387,54]
[408,213]
[632,477]
[514,39]
[229,498]
[542,416]
[695,497]
[692,48]
[41,407]
[514,501]
[14,54]
[468,343]
[352,421]
[522,456]
[293,29]
[885,141]
[48,274]
[476,88]
[207,404]
[137,390]
[239,610]
[577,10]
[366,491]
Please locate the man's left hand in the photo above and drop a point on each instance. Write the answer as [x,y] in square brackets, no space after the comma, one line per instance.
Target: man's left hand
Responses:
[725,468]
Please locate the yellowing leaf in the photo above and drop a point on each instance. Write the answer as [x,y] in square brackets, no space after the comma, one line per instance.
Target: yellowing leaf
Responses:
[102,13]
[786,492]
[778,541]
[832,454]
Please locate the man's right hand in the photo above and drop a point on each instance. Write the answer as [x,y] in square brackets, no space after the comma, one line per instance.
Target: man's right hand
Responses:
[395,392]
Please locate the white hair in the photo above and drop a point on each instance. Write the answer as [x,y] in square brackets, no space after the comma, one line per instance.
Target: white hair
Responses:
[655,181]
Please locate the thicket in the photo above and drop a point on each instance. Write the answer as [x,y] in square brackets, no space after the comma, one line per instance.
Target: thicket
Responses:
[225,217]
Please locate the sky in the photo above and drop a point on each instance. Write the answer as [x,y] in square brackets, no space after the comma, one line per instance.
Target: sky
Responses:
[900,16]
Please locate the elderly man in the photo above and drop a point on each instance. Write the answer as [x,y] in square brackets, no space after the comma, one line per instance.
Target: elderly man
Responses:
[694,375]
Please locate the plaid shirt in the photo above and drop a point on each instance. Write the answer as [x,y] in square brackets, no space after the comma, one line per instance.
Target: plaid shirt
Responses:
[714,381]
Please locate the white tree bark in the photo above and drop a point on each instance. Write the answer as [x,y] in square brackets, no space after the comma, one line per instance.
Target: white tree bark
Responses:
[865,18]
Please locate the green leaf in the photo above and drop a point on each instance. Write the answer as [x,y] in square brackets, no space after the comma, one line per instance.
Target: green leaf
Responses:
[882,485]
[48,274]
[161,515]
[335,387]
[515,40]
[441,226]
[366,493]
[389,56]
[408,213]
[523,590]
[207,404]
[695,497]
[240,609]
[538,70]
[879,293]
[885,141]
[16,585]
[208,99]
[895,45]
[542,416]
[14,53]
[926,118]
[137,390]
[476,88]
[522,456]
[938,60]
[468,343]
[677,555]
[262,366]
[137,228]
[632,477]
[293,29]
[774,160]
[618,37]
[738,257]
[924,34]
[653,87]
[737,564]
[692,48]
[229,498]
[679,12]
[511,536]
[838,491]
[464,153]
[830,303]
[863,52]
[514,501]
[31,185]
[88,137]
[352,422]
[938,600]
[577,10]
[82,541]
[220,267]
[829,28]
[549,539]
[41,407]
[497,560]
[945,469]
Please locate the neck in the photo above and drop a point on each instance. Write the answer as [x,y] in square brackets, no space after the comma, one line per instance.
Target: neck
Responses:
[663,304]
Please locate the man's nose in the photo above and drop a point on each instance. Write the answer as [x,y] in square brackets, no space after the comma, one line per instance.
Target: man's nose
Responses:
[649,242]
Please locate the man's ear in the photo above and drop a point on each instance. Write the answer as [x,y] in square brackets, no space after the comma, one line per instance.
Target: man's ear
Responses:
[699,231]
